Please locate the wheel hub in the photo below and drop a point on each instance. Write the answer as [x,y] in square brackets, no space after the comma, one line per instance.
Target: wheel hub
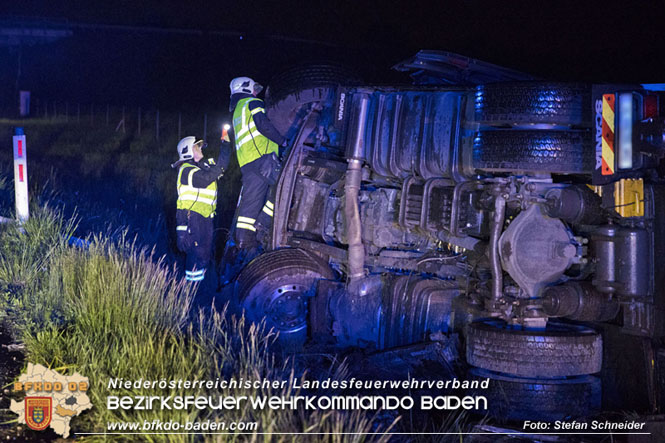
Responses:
[286,307]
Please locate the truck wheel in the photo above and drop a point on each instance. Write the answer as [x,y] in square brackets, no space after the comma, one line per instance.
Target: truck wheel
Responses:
[276,286]
[561,350]
[514,398]
[289,91]
[533,103]
[557,152]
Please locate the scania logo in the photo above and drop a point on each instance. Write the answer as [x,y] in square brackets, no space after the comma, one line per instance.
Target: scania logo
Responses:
[340,110]
[599,133]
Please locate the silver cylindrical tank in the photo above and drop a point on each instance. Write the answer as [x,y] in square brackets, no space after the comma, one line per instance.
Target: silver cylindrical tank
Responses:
[622,260]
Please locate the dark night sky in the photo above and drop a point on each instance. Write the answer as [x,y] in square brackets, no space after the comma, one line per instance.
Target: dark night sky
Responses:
[567,40]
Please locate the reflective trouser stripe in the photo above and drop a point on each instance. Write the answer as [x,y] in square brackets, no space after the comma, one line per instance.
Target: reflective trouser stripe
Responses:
[247,226]
[269,204]
[195,275]
[268,211]
[181,228]
[246,223]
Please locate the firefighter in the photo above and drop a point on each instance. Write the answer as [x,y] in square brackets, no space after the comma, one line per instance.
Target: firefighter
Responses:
[258,146]
[197,201]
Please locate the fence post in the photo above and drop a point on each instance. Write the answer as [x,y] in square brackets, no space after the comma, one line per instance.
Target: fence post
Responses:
[179,124]
[139,121]
[157,125]
[205,126]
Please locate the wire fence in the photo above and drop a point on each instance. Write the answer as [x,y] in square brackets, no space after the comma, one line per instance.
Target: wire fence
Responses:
[138,120]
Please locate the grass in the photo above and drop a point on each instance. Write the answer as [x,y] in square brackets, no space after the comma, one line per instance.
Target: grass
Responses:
[116,310]
[119,310]
[141,162]
[114,178]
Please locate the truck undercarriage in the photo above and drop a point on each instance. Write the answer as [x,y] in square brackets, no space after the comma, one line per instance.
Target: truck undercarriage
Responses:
[519,214]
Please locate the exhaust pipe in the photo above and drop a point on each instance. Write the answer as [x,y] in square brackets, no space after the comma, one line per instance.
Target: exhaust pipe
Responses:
[497,225]
[355,157]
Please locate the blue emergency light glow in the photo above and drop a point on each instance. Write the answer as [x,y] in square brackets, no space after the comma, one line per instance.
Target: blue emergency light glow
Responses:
[625,133]
[654,86]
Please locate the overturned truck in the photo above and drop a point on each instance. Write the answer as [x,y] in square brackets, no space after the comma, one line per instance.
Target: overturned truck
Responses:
[518,212]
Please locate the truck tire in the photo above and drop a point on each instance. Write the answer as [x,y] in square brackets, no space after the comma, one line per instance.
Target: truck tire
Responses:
[514,398]
[561,350]
[555,152]
[276,286]
[533,103]
[295,88]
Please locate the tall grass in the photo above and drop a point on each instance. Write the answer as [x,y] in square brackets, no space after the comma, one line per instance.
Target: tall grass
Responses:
[123,179]
[115,310]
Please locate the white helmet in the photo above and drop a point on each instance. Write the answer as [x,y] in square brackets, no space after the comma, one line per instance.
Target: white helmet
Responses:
[186,147]
[245,85]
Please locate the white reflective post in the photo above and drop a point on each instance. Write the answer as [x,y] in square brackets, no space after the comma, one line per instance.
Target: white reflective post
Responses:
[20,176]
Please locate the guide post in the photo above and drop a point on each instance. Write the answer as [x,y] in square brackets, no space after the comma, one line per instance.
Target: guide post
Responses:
[20,176]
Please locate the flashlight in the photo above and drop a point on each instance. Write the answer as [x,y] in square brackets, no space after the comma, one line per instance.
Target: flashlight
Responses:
[225,131]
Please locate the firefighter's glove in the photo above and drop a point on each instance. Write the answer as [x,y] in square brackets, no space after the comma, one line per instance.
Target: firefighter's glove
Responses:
[282,149]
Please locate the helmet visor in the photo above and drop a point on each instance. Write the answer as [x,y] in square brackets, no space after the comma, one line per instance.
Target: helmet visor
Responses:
[257,88]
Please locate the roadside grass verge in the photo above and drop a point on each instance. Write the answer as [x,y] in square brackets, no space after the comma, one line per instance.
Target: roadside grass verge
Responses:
[112,178]
[141,163]
[114,310]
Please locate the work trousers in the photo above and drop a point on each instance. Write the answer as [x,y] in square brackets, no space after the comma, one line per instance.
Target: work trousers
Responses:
[255,207]
[196,243]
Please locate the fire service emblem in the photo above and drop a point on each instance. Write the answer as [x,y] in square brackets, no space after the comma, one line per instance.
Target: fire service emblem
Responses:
[38,412]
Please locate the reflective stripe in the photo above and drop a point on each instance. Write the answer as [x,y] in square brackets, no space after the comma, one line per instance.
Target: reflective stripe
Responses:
[269,204]
[247,226]
[254,134]
[250,143]
[195,198]
[203,201]
[245,129]
[194,273]
[246,219]
[200,191]
[268,211]
[181,228]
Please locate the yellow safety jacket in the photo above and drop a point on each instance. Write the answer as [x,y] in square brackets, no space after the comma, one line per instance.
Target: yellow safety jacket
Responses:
[200,200]
[250,143]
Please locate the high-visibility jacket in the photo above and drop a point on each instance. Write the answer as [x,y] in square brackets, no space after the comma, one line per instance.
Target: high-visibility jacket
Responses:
[250,143]
[190,198]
